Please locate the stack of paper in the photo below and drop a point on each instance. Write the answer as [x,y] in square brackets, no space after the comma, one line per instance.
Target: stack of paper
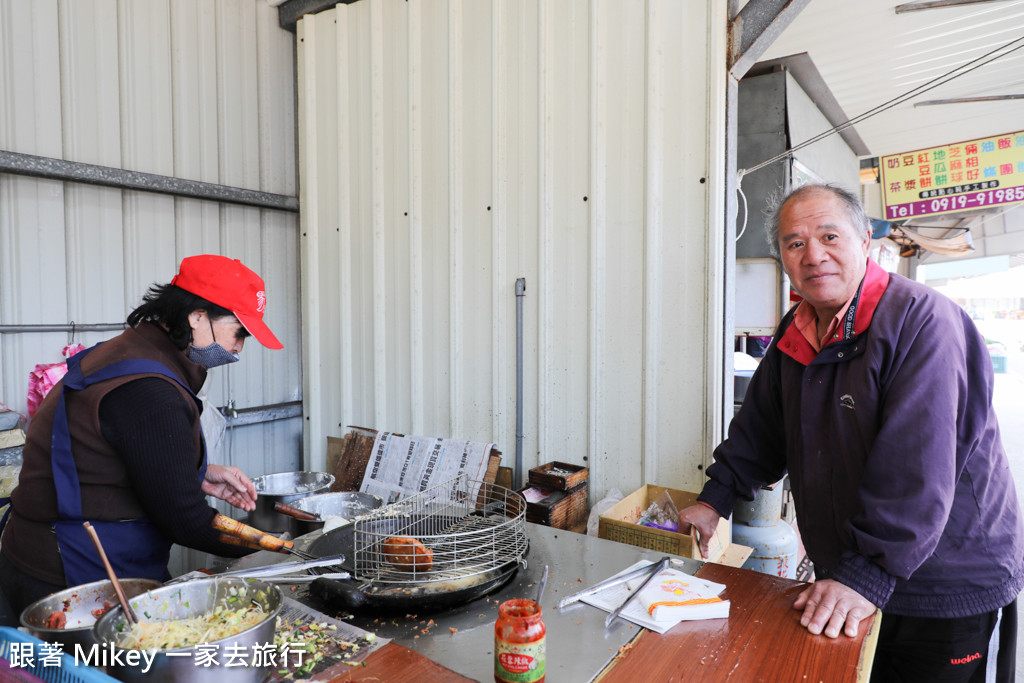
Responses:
[675,596]
[670,586]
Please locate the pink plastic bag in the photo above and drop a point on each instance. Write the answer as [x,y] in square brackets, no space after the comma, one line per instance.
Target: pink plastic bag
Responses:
[45,376]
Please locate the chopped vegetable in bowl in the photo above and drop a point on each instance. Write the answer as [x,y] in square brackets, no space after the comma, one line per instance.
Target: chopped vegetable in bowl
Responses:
[222,622]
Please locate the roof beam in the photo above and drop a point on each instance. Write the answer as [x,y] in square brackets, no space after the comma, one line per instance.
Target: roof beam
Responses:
[967,100]
[755,28]
[933,4]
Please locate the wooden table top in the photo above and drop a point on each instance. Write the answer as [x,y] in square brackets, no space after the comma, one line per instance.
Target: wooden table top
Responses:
[396,663]
[762,640]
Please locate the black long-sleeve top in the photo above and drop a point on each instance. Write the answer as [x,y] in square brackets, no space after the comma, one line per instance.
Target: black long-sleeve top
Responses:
[148,422]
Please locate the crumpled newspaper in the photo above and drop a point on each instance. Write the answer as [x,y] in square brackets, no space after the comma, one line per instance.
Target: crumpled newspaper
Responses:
[44,376]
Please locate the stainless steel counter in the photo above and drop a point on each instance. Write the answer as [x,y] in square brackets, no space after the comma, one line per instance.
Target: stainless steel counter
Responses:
[578,646]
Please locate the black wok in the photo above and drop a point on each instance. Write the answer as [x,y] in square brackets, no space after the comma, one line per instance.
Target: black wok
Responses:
[359,596]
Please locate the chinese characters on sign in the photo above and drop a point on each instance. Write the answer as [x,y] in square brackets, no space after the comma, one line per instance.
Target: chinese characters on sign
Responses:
[958,177]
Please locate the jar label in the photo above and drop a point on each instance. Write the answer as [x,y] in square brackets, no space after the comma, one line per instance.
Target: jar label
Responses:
[519,663]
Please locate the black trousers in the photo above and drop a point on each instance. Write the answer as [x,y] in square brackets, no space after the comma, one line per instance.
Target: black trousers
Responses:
[18,590]
[972,649]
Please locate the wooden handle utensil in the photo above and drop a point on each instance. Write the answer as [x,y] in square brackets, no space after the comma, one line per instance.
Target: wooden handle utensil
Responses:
[235,540]
[250,534]
[286,509]
[129,613]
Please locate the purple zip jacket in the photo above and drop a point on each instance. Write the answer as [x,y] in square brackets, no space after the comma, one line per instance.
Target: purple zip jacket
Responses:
[902,488]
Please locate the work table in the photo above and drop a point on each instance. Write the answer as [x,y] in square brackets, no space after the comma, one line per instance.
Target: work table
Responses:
[578,646]
[762,639]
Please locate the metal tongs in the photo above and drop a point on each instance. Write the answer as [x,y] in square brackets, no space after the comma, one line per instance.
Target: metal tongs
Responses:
[654,572]
[283,572]
[292,572]
[650,571]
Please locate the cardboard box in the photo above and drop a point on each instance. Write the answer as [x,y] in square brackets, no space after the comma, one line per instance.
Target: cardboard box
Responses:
[620,524]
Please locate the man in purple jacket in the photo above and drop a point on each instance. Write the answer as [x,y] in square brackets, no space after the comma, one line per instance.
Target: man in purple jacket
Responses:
[876,397]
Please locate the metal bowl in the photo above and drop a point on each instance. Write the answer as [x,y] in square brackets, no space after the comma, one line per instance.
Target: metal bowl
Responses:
[193,599]
[284,487]
[347,504]
[78,603]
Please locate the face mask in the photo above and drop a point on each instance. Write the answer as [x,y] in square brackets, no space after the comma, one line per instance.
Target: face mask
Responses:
[213,355]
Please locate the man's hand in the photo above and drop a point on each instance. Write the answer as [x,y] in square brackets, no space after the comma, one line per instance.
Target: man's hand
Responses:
[230,484]
[705,519]
[828,605]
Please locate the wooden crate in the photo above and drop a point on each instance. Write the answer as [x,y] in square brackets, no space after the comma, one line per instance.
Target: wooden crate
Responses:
[558,509]
[559,476]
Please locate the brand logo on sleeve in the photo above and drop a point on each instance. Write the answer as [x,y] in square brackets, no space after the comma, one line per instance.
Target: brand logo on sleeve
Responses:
[965,660]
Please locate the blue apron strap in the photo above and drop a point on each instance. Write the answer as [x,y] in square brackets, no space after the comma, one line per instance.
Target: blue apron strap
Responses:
[134,547]
[65,473]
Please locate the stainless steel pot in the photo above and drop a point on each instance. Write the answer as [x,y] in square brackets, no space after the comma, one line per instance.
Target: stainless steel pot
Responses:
[284,487]
[192,599]
[347,504]
[77,603]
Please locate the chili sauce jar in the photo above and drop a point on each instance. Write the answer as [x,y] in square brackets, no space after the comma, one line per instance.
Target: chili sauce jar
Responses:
[519,652]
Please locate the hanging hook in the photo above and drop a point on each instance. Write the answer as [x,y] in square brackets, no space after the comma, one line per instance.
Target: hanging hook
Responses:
[72,339]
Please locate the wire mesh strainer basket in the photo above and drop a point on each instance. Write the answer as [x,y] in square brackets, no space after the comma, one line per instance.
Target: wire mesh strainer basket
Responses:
[462,527]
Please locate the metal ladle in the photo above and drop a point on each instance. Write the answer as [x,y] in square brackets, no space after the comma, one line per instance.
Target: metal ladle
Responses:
[121,597]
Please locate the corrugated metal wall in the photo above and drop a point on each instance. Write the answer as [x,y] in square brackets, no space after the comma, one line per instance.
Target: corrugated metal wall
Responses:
[448,149]
[195,89]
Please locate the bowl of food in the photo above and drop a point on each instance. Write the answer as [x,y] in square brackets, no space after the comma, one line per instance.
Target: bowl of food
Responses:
[67,617]
[216,630]
[338,507]
[284,487]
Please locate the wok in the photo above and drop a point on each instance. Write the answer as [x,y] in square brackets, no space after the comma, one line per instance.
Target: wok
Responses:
[358,596]
[310,513]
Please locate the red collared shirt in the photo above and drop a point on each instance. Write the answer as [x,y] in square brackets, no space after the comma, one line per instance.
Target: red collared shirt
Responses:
[805,319]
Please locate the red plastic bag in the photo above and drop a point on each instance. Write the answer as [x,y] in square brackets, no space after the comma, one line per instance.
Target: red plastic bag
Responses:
[45,375]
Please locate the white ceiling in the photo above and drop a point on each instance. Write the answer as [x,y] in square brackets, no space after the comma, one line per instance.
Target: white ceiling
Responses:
[868,54]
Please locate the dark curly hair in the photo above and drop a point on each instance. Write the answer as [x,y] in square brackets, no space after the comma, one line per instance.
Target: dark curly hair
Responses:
[169,306]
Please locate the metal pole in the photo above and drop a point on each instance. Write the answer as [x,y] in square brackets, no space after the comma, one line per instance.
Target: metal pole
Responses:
[79,172]
[69,327]
[520,294]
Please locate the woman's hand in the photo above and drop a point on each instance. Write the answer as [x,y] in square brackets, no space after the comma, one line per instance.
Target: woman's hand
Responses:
[231,485]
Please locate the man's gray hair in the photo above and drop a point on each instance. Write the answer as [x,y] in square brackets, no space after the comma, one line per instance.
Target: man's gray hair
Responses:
[851,202]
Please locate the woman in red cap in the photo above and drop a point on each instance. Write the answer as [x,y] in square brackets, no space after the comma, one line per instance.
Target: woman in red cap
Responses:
[118,442]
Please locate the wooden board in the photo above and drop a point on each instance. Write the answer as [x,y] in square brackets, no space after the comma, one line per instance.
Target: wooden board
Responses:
[762,640]
[350,455]
[396,663]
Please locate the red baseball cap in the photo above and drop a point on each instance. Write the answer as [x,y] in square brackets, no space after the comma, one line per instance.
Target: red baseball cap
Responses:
[229,284]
